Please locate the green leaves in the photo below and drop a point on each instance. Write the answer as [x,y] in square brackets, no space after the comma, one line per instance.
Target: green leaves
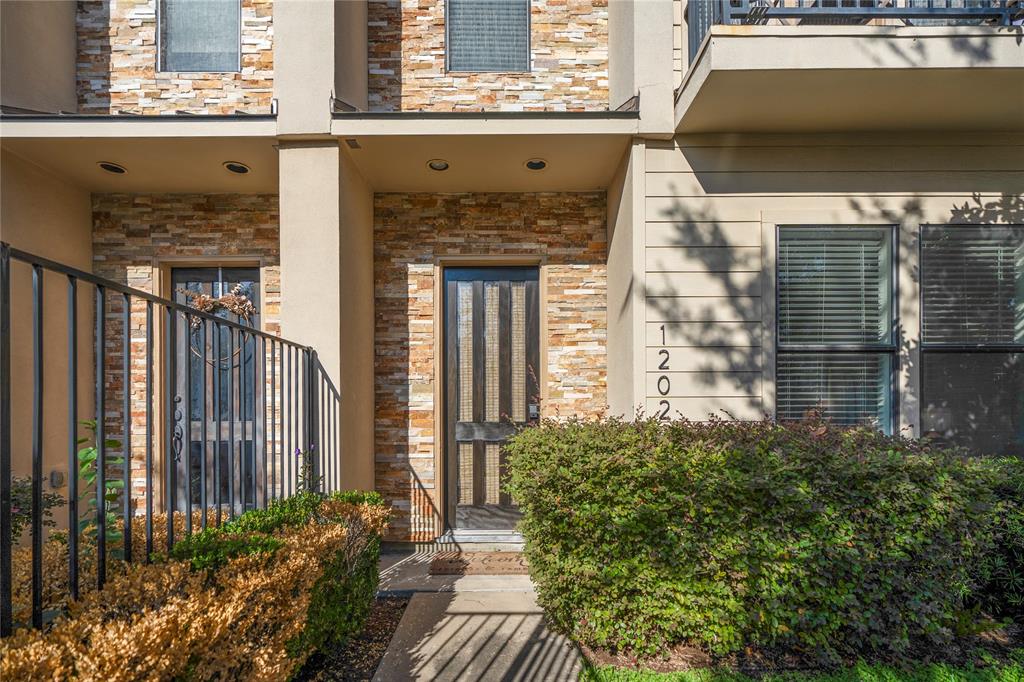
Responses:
[214,547]
[729,534]
[88,473]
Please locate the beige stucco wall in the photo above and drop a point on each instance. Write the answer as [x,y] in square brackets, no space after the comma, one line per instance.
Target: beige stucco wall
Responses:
[37,55]
[44,215]
[350,70]
[711,207]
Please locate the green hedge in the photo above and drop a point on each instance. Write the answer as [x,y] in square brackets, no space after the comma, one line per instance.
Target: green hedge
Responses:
[833,541]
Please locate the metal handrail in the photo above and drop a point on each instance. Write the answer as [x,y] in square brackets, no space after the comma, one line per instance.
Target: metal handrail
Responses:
[283,395]
[1000,11]
[701,15]
[112,285]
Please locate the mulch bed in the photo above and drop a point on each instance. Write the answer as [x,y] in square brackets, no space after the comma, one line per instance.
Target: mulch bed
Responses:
[359,658]
[478,563]
[995,645]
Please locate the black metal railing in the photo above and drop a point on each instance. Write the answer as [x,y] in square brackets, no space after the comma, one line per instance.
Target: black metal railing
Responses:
[222,416]
[701,15]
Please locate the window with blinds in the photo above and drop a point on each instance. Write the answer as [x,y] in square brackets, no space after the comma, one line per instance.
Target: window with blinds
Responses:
[972,336]
[200,35]
[835,341]
[488,35]
[972,284]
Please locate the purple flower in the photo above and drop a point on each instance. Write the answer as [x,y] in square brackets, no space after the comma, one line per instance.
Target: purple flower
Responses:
[298,453]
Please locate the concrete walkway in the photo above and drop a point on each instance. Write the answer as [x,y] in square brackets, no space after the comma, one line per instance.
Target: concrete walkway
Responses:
[476,627]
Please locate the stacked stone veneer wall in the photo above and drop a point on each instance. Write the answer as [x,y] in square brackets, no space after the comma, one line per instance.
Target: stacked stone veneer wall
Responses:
[134,235]
[568,57]
[411,231]
[118,62]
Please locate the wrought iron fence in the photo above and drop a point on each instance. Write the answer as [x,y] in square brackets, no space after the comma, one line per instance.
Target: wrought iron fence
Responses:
[701,15]
[192,412]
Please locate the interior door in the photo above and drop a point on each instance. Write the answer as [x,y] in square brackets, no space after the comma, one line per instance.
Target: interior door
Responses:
[492,335]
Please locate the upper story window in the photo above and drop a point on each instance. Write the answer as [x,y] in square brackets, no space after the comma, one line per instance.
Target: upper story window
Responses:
[488,35]
[200,35]
[836,346]
[972,336]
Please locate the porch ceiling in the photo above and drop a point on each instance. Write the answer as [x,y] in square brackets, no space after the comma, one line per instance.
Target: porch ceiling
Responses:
[487,163]
[167,165]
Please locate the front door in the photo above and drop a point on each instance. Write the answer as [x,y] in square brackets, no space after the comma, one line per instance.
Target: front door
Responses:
[492,336]
[226,461]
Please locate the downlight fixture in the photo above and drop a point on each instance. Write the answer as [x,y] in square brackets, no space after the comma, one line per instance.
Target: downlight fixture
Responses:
[236,167]
[536,164]
[111,167]
[437,165]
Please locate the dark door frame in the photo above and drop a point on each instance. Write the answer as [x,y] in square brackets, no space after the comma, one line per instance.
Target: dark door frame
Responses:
[479,271]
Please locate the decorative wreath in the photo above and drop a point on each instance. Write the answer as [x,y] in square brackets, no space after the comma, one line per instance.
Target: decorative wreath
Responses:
[235,302]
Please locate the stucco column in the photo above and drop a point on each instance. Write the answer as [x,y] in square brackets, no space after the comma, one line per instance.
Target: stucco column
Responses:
[640,62]
[304,65]
[326,213]
[626,285]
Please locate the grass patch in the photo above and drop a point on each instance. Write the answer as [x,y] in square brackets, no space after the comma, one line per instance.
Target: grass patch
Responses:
[1009,672]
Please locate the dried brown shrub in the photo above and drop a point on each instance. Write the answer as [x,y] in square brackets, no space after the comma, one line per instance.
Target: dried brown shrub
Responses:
[56,585]
[164,621]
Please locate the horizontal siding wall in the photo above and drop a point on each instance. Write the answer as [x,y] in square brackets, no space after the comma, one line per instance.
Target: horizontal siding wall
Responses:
[709,242]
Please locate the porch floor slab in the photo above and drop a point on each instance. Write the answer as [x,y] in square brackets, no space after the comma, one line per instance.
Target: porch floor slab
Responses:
[477,635]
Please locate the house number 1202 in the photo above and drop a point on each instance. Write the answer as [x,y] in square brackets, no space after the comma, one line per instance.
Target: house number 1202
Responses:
[664,383]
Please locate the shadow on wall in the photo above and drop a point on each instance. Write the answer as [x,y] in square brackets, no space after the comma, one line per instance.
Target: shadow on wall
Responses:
[914,53]
[718,320]
[384,58]
[719,323]
[93,69]
[970,399]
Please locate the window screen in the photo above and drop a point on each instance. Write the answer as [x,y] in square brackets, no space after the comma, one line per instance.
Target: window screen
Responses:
[488,35]
[836,349]
[972,296]
[200,35]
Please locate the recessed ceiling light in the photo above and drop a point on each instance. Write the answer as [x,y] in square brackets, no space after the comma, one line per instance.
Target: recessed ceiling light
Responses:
[236,167]
[437,164]
[536,164]
[111,167]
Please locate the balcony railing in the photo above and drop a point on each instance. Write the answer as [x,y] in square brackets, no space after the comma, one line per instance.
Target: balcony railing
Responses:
[703,14]
[192,412]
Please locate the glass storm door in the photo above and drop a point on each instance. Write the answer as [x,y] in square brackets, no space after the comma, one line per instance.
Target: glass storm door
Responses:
[226,463]
[491,355]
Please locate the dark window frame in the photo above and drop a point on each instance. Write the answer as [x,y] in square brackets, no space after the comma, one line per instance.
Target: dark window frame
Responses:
[448,41]
[891,348]
[936,348]
[161,61]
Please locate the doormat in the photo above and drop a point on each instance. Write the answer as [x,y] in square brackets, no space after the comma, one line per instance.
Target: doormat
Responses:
[478,563]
